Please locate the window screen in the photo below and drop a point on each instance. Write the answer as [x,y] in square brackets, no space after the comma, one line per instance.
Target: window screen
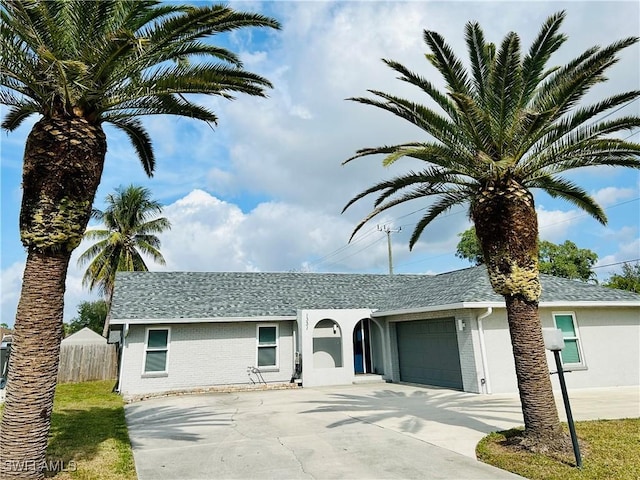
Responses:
[267,346]
[571,351]
[156,350]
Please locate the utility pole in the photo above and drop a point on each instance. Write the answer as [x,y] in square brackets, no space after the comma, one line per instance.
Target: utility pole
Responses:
[389,231]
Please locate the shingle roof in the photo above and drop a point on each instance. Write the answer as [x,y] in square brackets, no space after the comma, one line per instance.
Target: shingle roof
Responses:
[165,295]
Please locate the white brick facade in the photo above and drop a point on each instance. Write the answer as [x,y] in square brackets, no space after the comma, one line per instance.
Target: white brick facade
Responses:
[202,355]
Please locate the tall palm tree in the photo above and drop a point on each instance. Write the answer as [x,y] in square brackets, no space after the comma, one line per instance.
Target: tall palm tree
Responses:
[506,125]
[130,225]
[79,65]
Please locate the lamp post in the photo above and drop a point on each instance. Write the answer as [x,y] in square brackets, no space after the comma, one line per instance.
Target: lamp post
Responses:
[554,341]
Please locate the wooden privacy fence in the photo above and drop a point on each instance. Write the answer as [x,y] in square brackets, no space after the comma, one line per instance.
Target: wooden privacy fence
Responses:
[82,363]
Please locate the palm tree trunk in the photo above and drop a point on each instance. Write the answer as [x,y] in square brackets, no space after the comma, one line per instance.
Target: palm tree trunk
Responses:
[63,163]
[507,228]
[105,328]
[534,384]
[34,366]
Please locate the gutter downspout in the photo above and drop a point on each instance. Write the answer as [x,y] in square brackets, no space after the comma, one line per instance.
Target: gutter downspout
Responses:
[483,350]
[125,333]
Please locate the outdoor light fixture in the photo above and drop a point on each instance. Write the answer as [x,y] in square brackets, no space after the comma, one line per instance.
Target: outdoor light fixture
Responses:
[460,324]
[554,341]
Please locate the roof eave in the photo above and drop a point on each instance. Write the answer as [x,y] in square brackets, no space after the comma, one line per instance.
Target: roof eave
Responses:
[591,303]
[436,308]
[494,304]
[147,321]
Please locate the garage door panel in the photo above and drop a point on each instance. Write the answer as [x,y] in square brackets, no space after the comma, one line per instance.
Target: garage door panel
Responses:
[428,352]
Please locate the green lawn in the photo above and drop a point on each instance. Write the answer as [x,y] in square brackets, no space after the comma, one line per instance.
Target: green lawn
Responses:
[89,438]
[612,452]
[88,429]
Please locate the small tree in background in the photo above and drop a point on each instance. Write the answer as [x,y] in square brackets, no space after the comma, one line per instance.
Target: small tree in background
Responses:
[90,314]
[568,261]
[628,280]
[469,247]
[565,260]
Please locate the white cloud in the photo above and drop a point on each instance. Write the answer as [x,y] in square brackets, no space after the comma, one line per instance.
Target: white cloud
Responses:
[555,225]
[210,234]
[611,195]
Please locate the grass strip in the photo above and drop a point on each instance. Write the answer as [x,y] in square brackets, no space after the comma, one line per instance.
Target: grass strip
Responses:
[611,452]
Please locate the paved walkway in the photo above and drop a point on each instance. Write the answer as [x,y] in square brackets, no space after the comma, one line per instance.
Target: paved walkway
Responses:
[355,432]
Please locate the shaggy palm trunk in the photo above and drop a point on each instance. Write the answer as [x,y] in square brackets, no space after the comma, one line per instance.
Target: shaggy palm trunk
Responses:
[534,385]
[507,228]
[62,168]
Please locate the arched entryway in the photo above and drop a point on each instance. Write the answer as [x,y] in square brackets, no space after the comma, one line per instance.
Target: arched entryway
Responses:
[362,354]
[368,357]
[327,344]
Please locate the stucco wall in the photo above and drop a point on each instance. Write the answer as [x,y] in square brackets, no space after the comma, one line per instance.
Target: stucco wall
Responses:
[610,340]
[318,354]
[202,355]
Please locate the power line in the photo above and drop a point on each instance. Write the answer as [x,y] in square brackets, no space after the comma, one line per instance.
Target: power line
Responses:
[542,227]
[585,214]
[355,253]
[341,249]
[617,263]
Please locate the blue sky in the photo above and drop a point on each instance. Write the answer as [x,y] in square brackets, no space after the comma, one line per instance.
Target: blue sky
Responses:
[263,190]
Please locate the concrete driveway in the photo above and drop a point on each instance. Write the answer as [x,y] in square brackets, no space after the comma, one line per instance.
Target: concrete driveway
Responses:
[355,432]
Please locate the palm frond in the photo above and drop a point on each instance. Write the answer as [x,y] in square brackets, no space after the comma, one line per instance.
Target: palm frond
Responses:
[18,114]
[563,90]
[443,204]
[546,43]
[157,225]
[92,251]
[581,144]
[158,105]
[436,125]
[364,152]
[480,61]
[140,140]
[150,250]
[564,127]
[445,60]
[505,87]
[475,124]
[569,191]
[426,86]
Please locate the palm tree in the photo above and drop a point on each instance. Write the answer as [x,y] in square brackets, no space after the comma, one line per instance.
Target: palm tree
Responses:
[80,65]
[508,124]
[129,233]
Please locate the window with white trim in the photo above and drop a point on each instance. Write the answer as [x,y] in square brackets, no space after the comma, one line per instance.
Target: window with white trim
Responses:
[571,354]
[267,354]
[156,350]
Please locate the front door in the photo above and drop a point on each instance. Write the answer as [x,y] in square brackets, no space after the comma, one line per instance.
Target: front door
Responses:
[362,347]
